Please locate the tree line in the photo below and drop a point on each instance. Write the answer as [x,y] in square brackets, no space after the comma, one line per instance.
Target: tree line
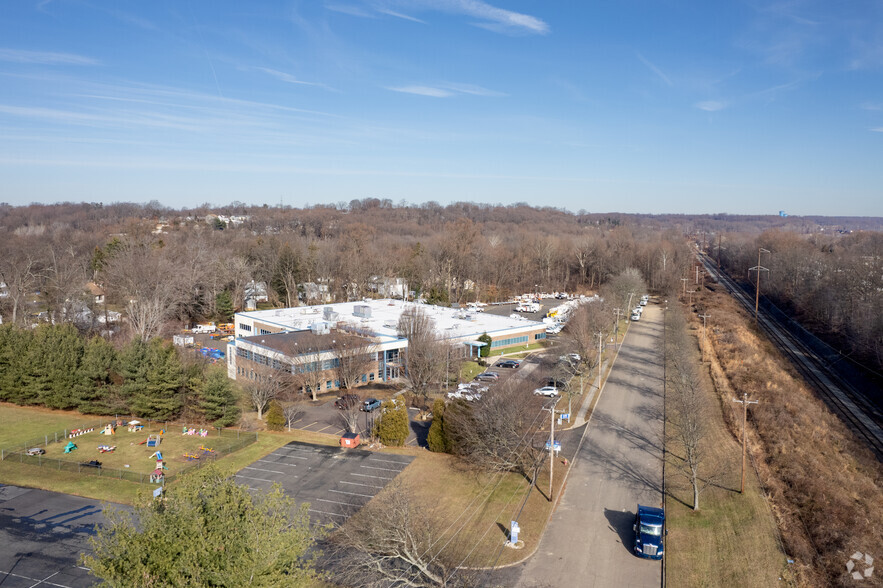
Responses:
[54,366]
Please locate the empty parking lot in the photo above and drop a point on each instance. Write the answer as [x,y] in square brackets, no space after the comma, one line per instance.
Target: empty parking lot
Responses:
[335,482]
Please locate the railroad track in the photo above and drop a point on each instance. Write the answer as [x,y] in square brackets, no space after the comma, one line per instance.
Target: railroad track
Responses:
[859,413]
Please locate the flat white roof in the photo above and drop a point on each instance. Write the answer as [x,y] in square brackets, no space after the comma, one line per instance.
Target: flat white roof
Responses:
[450,323]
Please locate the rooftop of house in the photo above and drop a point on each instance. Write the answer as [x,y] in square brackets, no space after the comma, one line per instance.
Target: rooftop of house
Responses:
[384,315]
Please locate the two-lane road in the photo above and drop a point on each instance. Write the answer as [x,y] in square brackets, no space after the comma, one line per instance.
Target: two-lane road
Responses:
[589,540]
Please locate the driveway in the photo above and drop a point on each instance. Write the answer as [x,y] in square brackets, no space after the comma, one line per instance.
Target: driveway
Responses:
[618,466]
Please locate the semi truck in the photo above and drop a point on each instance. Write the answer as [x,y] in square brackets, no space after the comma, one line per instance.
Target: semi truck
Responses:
[649,530]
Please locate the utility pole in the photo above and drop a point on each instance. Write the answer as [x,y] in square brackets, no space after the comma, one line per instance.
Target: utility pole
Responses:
[600,343]
[719,252]
[759,268]
[691,292]
[552,411]
[703,317]
[618,313]
[697,273]
[744,402]
[685,280]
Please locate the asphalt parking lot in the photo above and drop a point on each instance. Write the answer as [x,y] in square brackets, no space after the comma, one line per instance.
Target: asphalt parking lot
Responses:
[326,418]
[41,537]
[335,482]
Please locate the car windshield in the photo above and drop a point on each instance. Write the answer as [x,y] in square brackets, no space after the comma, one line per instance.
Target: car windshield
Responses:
[651,529]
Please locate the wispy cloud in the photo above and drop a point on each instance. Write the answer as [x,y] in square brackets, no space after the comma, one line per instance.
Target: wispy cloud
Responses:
[711,105]
[290,79]
[389,12]
[445,90]
[871,106]
[877,129]
[422,91]
[489,17]
[652,67]
[44,57]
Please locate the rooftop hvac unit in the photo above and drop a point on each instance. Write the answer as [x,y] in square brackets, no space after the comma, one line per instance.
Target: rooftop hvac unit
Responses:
[320,328]
[328,312]
[362,311]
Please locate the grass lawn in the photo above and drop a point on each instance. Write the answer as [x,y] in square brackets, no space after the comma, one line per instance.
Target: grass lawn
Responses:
[470,369]
[20,424]
[482,504]
[516,349]
[732,540]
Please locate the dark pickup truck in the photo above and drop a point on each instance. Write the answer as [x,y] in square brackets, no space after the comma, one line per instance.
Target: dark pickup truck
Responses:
[648,527]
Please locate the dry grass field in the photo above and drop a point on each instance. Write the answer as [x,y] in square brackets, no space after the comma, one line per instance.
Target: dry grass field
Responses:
[825,488]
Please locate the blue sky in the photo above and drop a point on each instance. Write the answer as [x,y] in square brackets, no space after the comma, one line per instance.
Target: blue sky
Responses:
[631,106]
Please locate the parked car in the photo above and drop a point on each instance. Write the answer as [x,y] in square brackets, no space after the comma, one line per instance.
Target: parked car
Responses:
[556,383]
[347,401]
[550,391]
[36,451]
[508,363]
[636,316]
[370,405]
[493,376]
[644,301]
[92,464]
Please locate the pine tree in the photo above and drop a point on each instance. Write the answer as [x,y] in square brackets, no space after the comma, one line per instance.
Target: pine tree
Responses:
[217,398]
[14,343]
[206,531]
[132,362]
[224,306]
[53,358]
[485,349]
[275,417]
[393,427]
[160,396]
[94,391]
[436,438]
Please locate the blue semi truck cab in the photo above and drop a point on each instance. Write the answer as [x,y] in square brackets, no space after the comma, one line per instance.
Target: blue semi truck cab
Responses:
[648,527]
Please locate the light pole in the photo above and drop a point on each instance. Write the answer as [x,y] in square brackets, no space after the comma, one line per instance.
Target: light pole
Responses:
[744,402]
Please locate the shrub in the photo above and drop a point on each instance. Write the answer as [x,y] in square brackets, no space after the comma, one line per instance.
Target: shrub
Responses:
[436,438]
[393,425]
[275,417]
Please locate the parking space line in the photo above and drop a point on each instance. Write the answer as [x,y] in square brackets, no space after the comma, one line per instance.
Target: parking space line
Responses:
[340,431]
[325,427]
[288,456]
[258,479]
[263,470]
[334,514]
[367,476]
[382,469]
[360,484]
[389,460]
[290,465]
[339,502]
[352,493]
[311,424]
[36,580]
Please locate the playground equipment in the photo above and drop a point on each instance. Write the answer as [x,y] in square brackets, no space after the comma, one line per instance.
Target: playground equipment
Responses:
[206,449]
[156,477]
[191,456]
[108,430]
[154,440]
[135,426]
[107,448]
[70,447]
[78,432]
[194,431]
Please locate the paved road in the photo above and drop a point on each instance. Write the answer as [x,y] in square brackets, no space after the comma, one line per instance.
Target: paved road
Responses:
[589,539]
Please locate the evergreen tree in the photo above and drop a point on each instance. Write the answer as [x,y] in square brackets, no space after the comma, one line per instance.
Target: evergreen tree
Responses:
[275,417]
[132,363]
[95,391]
[206,531]
[217,398]
[393,427]
[14,343]
[436,438]
[224,306]
[54,359]
[485,349]
[160,395]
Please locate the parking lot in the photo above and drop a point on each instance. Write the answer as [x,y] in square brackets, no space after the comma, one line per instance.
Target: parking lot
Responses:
[41,537]
[335,482]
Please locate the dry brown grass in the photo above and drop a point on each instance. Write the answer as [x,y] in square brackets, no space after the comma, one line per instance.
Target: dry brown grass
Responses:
[823,485]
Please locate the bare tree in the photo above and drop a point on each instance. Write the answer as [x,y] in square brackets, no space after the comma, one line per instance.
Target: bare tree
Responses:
[426,355]
[262,387]
[354,355]
[395,540]
[20,272]
[686,408]
[292,410]
[501,431]
[350,412]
